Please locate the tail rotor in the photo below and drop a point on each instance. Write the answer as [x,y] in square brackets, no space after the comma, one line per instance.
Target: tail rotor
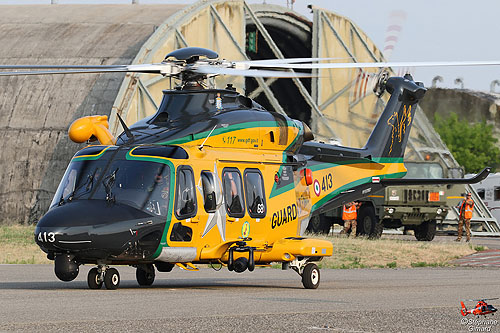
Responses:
[463,311]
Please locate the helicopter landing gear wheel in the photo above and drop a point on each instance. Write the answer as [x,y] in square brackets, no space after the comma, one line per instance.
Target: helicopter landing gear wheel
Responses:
[145,275]
[307,270]
[310,276]
[94,278]
[111,279]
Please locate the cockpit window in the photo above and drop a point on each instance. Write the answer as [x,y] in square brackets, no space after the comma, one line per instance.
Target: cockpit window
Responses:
[143,185]
[79,181]
[70,183]
[185,198]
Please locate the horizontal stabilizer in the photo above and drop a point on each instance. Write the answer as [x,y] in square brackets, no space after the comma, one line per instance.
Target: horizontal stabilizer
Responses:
[341,158]
[415,181]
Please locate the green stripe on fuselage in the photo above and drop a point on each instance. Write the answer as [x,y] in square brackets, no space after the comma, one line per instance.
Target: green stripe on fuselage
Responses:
[349,186]
[380,160]
[223,130]
[91,157]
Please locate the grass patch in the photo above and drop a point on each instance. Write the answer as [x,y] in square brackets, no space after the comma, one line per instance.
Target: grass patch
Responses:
[478,248]
[18,235]
[17,246]
[426,264]
[419,264]
[392,264]
[392,253]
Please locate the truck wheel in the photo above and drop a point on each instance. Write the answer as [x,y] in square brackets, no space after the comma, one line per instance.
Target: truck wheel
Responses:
[368,223]
[319,224]
[426,231]
[378,230]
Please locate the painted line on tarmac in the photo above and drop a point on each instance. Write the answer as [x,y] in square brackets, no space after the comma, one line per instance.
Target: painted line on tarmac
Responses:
[488,258]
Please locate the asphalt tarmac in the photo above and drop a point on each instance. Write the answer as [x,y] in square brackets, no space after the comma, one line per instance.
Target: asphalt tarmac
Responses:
[489,242]
[266,300]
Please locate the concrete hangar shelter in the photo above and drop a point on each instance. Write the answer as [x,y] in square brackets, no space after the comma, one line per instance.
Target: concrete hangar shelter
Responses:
[36,111]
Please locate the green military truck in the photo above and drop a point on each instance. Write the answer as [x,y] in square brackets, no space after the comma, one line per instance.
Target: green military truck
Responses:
[418,208]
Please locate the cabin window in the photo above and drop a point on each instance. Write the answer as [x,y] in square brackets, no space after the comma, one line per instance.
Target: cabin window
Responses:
[233,192]
[185,201]
[181,233]
[496,193]
[480,192]
[254,186]
[209,191]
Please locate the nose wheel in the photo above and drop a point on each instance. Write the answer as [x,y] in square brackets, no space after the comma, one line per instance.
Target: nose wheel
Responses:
[94,278]
[103,274]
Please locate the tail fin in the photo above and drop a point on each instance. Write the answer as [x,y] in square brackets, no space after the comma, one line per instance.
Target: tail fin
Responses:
[463,310]
[398,116]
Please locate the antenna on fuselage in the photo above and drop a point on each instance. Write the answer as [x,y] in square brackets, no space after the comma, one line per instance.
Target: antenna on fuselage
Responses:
[201,146]
[127,131]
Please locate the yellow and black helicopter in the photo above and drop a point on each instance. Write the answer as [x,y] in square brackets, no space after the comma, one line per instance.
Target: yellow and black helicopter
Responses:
[213,177]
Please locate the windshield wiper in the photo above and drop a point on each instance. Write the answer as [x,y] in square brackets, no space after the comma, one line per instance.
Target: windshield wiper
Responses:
[108,183]
[61,201]
[88,183]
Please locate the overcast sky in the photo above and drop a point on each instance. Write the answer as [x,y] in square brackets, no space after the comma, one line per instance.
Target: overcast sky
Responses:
[434,30]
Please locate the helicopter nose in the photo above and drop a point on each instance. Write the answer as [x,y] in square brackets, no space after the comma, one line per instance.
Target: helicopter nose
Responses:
[92,228]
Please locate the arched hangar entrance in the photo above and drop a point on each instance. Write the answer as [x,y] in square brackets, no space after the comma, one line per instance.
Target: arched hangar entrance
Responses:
[333,103]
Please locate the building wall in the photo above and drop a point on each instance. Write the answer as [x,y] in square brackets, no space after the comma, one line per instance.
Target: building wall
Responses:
[36,111]
[474,106]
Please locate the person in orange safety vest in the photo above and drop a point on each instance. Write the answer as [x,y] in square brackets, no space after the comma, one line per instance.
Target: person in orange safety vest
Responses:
[349,215]
[465,207]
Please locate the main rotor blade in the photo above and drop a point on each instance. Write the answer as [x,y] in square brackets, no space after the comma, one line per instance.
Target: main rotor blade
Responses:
[380,64]
[58,67]
[165,69]
[286,61]
[241,68]
[250,72]
[76,71]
